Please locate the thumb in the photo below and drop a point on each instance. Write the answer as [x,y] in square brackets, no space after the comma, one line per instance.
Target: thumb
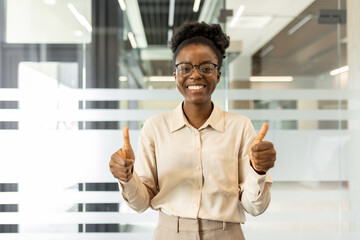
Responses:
[127,145]
[261,134]
[127,149]
[263,130]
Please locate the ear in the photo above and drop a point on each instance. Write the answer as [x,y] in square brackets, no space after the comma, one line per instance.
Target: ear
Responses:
[174,74]
[218,76]
[175,80]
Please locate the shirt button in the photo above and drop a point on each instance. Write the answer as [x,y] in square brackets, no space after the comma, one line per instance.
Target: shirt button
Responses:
[197,149]
[195,205]
[196,133]
[197,169]
[197,187]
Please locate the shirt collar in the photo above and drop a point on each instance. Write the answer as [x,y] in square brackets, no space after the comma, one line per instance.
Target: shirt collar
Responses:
[216,119]
[177,118]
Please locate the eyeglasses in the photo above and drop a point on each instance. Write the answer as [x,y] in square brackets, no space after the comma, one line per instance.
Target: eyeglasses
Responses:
[186,69]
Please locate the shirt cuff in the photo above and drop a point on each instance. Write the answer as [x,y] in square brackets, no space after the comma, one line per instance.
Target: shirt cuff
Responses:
[256,182]
[130,187]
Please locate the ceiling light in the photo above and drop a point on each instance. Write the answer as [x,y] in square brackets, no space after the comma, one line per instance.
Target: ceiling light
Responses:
[161,78]
[132,40]
[78,33]
[122,4]
[253,21]
[50,2]
[237,16]
[123,79]
[271,79]
[339,70]
[196,5]
[299,24]
[266,50]
[83,21]
[171,12]
[170,34]
[136,24]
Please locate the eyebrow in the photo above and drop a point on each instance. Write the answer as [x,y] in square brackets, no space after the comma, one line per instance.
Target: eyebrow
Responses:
[195,64]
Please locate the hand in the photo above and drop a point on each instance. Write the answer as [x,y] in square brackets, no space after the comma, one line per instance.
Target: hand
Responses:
[261,153]
[122,162]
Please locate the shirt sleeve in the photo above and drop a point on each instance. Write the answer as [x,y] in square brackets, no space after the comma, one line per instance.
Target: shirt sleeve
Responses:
[142,186]
[254,188]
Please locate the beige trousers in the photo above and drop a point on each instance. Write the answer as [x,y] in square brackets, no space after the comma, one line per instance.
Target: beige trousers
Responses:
[174,228]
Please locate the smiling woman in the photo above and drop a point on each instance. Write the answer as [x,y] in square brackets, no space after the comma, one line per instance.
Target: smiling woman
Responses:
[198,85]
[203,46]
[199,166]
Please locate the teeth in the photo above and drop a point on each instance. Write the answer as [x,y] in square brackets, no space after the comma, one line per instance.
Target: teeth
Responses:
[197,87]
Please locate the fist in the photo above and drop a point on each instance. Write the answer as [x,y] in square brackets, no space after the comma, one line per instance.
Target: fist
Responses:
[122,162]
[262,153]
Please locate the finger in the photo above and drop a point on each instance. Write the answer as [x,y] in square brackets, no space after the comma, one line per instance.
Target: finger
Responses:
[261,146]
[256,167]
[120,169]
[129,162]
[121,164]
[264,155]
[263,168]
[262,133]
[118,156]
[126,136]
[125,162]
[120,159]
[264,161]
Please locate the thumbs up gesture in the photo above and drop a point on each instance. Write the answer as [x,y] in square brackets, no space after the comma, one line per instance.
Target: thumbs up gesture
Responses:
[262,153]
[122,162]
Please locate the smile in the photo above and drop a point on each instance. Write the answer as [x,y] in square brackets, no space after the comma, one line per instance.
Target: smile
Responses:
[196,87]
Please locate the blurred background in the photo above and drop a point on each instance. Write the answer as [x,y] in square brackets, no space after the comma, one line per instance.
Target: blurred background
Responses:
[74,72]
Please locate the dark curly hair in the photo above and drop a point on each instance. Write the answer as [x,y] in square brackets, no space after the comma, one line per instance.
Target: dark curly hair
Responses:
[210,35]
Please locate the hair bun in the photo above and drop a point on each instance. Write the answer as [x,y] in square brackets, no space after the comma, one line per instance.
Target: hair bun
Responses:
[188,30]
[193,32]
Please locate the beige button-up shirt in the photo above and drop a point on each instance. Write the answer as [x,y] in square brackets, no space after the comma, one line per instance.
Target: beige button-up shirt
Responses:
[197,173]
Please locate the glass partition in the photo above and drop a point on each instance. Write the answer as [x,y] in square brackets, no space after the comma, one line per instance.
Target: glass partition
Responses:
[74,73]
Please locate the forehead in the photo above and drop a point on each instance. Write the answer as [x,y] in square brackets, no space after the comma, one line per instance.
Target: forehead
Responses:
[196,53]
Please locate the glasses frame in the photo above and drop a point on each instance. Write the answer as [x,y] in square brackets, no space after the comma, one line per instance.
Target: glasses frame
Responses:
[193,67]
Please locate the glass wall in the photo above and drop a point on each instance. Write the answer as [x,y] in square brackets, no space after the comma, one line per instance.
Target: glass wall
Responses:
[73,73]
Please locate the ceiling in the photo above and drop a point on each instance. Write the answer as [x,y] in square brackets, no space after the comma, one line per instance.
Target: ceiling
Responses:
[280,12]
[155,18]
[311,50]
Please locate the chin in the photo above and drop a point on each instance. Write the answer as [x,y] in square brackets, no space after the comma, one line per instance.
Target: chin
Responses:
[197,100]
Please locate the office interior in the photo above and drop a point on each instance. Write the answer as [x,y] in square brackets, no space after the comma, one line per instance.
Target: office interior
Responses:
[73,73]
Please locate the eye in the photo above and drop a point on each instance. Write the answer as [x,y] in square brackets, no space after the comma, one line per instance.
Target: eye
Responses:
[207,68]
[184,68]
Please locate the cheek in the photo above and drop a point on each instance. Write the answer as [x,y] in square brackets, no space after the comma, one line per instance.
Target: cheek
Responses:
[179,82]
[215,83]
[178,85]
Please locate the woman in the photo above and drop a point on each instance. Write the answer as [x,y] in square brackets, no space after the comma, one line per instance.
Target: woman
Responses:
[201,167]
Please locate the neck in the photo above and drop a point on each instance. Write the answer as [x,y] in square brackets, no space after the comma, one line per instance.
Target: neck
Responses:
[197,114]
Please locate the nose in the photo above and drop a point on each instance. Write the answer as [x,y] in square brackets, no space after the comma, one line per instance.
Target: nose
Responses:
[195,73]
